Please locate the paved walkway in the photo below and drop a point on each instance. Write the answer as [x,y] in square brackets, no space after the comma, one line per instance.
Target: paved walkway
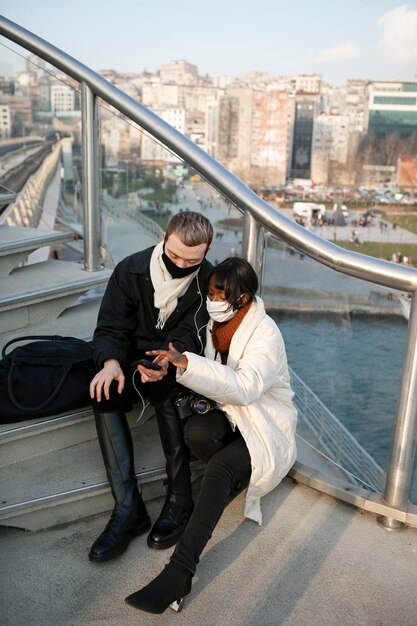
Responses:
[375,232]
[314,562]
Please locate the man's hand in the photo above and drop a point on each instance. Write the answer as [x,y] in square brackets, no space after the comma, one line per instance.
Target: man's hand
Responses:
[152,376]
[102,381]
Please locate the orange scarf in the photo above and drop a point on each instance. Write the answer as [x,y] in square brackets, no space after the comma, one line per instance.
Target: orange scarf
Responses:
[222,332]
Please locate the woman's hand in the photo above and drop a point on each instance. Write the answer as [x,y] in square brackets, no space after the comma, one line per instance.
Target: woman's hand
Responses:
[172,355]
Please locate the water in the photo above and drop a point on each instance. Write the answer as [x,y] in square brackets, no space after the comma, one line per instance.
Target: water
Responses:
[354,367]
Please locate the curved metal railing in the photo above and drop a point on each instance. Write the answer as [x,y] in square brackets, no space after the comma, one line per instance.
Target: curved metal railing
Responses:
[258,214]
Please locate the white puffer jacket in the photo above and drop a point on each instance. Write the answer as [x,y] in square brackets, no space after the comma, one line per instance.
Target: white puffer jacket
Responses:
[254,391]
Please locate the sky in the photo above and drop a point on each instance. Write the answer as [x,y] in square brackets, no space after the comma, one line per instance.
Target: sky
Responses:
[373,39]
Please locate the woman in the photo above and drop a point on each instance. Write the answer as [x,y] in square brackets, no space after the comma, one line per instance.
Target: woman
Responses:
[250,440]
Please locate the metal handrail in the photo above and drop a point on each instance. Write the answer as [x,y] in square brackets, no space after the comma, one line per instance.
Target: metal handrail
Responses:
[258,215]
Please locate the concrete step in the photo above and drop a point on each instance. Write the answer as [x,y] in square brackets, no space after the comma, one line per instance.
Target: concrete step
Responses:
[69,484]
[31,438]
[37,294]
[76,321]
[25,440]
[17,242]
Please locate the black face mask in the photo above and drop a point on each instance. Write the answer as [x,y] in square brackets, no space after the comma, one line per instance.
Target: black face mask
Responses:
[175,271]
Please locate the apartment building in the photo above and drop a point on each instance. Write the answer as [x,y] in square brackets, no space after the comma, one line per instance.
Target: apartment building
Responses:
[179,72]
[152,150]
[329,146]
[62,99]
[5,121]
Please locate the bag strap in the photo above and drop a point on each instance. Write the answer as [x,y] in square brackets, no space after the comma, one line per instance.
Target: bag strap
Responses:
[43,404]
[26,338]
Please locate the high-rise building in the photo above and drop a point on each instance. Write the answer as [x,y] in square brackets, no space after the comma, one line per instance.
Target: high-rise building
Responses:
[235,123]
[392,108]
[254,133]
[329,147]
[212,126]
[271,113]
[305,109]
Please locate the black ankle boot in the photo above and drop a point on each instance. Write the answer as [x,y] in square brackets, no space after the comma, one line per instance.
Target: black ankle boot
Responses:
[171,524]
[169,588]
[120,529]
[130,517]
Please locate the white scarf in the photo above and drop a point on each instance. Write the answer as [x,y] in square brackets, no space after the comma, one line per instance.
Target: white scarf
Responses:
[167,289]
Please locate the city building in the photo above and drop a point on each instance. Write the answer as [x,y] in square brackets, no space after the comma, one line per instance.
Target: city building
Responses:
[5,121]
[407,172]
[151,150]
[179,72]
[62,99]
[234,130]
[267,129]
[301,156]
[357,95]
[270,136]
[21,114]
[329,148]
[392,108]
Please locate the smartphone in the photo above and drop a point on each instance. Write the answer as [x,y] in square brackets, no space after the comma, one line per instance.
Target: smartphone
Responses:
[151,365]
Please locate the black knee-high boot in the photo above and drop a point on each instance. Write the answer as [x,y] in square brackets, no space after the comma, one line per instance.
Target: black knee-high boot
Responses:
[224,469]
[178,503]
[129,517]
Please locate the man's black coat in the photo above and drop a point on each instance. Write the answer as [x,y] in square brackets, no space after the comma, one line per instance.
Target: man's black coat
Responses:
[127,318]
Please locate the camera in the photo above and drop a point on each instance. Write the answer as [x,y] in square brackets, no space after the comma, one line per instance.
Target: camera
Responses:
[187,404]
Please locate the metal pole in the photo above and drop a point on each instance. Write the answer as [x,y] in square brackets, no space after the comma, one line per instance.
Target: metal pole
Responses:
[91,189]
[405,429]
[252,242]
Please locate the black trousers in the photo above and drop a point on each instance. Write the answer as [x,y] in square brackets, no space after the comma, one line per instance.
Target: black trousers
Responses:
[124,401]
[211,438]
[177,453]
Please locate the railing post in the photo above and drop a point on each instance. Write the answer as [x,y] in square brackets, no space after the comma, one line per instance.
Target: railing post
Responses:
[91,188]
[253,243]
[405,429]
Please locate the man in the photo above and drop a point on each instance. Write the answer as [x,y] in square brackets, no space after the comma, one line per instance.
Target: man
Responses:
[153,297]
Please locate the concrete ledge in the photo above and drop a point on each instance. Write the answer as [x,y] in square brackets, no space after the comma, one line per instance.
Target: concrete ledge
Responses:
[357,496]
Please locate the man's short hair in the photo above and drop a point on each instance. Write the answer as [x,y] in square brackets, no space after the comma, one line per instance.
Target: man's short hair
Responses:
[192,228]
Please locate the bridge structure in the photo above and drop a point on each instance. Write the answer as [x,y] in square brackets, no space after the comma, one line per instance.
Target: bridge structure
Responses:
[317,557]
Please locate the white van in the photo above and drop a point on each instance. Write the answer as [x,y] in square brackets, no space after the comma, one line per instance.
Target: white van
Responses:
[308,211]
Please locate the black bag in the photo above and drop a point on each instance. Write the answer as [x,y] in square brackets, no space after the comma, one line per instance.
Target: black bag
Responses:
[44,377]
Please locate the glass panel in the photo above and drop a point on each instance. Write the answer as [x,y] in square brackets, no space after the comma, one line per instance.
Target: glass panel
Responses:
[413,487]
[143,184]
[345,341]
[41,142]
